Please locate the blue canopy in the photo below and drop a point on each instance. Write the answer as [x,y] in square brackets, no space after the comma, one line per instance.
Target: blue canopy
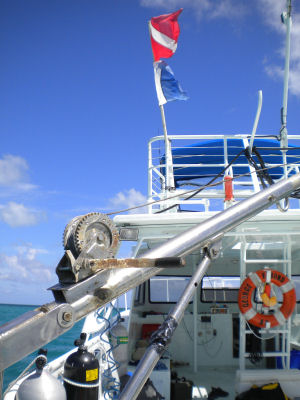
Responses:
[208,153]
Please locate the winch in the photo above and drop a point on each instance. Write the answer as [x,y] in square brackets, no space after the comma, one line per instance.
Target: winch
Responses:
[86,237]
[91,242]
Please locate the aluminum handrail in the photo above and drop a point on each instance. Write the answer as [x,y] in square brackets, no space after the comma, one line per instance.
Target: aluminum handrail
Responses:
[253,185]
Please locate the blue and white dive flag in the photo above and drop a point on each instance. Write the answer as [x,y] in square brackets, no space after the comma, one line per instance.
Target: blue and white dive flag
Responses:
[167,87]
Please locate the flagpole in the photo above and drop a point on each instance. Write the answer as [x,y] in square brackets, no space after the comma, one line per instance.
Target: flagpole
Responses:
[169,184]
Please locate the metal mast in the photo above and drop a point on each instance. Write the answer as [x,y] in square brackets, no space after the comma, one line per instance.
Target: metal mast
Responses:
[287,20]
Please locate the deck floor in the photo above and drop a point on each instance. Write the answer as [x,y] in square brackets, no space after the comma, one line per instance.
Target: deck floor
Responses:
[209,377]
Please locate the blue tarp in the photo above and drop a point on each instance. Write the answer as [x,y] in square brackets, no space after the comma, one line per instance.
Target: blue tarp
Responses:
[211,152]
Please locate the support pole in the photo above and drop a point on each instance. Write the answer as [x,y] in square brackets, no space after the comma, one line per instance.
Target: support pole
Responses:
[195,322]
[168,154]
[287,20]
[162,336]
[256,120]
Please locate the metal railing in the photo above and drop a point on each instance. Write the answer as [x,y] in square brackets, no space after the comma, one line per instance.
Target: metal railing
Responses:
[191,174]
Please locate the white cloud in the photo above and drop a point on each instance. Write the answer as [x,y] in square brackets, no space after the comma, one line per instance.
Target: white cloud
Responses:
[14,173]
[127,199]
[12,169]
[208,8]
[29,253]
[15,214]
[271,11]
[24,266]
[227,9]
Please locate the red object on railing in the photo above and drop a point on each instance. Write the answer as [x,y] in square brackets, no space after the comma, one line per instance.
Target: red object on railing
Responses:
[228,188]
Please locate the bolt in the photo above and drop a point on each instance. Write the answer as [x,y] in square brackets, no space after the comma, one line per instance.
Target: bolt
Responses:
[67,316]
[101,294]
[214,252]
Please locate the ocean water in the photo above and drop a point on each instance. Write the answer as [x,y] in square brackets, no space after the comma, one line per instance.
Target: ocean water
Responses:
[55,348]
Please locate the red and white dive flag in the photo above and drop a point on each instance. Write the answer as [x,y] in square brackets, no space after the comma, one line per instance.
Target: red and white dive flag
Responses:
[164,31]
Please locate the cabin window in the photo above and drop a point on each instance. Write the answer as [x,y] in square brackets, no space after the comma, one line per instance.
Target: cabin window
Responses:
[220,289]
[167,289]
[225,289]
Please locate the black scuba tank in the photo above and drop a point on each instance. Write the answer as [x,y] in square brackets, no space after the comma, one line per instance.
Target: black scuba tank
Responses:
[81,368]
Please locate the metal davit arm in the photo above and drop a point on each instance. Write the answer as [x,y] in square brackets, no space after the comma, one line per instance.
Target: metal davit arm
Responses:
[161,338]
[73,302]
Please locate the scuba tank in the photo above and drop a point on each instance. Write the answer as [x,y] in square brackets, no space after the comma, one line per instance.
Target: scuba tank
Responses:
[41,385]
[81,373]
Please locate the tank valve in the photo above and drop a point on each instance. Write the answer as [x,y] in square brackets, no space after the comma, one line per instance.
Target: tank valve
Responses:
[41,360]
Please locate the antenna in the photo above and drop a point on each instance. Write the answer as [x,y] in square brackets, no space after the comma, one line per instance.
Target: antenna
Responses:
[286,18]
[259,104]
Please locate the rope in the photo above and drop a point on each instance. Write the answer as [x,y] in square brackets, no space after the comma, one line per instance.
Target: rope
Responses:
[257,336]
[195,190]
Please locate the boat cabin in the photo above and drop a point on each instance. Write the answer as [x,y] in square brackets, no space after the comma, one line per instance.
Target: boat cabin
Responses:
[214,345]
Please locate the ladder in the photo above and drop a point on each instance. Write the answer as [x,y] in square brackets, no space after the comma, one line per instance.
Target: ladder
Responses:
[282,334]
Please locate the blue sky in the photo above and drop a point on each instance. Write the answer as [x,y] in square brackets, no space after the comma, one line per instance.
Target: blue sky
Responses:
[78,105]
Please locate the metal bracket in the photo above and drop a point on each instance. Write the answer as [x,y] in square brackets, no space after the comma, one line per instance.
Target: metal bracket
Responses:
[66,317]
[214,249]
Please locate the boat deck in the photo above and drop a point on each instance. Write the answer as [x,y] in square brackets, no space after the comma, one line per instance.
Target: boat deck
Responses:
[207,377]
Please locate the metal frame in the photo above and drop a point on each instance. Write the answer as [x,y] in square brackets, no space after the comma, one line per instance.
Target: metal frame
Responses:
[157,182]
[283,333]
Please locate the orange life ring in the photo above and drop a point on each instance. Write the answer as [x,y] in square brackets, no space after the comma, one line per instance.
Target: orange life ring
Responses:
[255,280]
